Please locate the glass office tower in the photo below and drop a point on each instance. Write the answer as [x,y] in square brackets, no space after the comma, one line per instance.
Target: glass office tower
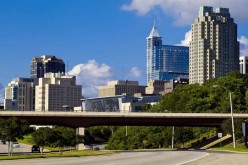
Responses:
[165,62]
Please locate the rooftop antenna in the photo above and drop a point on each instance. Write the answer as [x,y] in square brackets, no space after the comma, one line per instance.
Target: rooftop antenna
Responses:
[220,3]
[154,23]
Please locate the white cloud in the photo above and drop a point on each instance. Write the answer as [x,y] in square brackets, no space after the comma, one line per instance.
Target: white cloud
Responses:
[185,11]
[186,40]
[135,73]
[243,46]
[91,75]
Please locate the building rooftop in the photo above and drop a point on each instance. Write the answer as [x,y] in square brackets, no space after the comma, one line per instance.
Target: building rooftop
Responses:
[154,33]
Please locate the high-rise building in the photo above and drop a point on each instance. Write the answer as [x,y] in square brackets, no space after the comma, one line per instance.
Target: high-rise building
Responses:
[46,64]
[243,64]
[214,49]
[19,94]
[165,62]
[120,87]
[55,92]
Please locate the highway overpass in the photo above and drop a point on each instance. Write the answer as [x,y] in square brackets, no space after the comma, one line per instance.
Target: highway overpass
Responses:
[86,119]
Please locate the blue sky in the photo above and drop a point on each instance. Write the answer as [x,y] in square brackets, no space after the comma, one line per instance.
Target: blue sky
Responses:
[100,40]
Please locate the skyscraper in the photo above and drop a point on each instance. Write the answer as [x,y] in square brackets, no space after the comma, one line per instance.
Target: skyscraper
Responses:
[214,49]
[154,54]
[165,62]
[46,64]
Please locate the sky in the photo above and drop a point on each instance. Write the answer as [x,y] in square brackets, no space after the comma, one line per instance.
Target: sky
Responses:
[99,41]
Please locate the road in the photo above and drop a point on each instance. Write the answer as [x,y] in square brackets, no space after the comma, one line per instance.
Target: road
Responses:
[144,158]
[222,158]
[22,148]
[124,158]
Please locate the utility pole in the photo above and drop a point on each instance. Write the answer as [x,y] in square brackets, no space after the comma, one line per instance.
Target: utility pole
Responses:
[172,137]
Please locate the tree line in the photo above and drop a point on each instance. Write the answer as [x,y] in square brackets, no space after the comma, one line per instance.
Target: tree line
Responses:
[190,98]
[12,129]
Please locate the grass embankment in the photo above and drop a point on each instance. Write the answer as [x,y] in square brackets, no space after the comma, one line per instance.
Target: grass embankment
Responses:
[52,154]
[239,148]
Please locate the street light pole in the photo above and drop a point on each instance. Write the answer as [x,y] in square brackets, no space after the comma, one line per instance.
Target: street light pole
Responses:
[172,138]
[233,132]
[231,106]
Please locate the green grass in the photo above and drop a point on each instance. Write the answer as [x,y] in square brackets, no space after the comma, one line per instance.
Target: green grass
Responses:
[229,147]
[27,140]
[65,154]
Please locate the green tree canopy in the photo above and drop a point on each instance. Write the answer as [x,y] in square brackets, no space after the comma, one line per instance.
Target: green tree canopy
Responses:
[12,129]
[44,136]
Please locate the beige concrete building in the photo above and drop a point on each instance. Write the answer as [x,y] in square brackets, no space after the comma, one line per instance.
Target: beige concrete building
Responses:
[171,85]
[155,87]
[214,49]
[57,93]
[120,87]
[243,64]
[19,94]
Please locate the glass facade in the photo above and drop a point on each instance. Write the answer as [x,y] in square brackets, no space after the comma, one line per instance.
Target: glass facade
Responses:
[165,62]
[46,64]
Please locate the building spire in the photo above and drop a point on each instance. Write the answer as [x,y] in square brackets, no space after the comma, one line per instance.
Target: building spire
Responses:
[154,32]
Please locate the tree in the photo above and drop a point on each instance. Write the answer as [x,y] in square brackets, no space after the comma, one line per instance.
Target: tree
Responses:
[12,129]
[97,134]
[44,136]
[66,137]
[184,135]
[57,137]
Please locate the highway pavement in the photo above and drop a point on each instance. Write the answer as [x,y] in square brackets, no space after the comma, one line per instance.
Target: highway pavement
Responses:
[149,157]
[23,148]
[225,158]
[123,158]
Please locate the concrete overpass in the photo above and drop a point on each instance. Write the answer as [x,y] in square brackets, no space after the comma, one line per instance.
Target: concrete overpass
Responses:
[86,119]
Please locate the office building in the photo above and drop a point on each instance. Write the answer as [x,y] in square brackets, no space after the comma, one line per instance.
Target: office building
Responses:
[165,62]
[56,92]
[171,85]
[120,87]
[119,103]
[19,94]
[46,64]
[243,64]
[214,49]
[155,87]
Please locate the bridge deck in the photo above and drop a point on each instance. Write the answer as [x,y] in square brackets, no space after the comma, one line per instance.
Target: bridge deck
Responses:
[86,119]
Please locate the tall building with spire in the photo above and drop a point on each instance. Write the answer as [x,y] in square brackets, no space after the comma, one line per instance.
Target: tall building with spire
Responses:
[165,62]
[214,49]
[154,55]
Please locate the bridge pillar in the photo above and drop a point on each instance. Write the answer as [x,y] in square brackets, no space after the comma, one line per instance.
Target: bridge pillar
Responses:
[80,131]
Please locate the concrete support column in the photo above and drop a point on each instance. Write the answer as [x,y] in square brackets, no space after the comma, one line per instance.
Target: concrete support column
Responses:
[80,131]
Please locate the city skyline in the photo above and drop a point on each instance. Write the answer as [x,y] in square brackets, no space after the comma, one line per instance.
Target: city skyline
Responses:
[99,41]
